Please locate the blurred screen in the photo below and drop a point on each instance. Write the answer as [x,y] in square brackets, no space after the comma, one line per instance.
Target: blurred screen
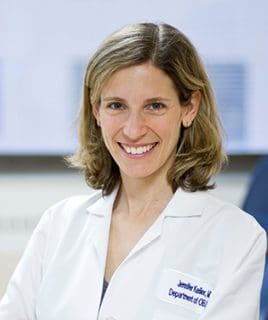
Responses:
[45,48]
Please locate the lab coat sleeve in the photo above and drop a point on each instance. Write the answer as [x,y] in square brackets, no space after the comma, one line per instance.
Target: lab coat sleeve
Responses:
[238,295]
[18,302]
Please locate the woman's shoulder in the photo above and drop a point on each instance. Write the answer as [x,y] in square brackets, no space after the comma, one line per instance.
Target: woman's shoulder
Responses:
[229,211]
[224,226]
[65,211]
[222,212]
[232,221]
[74,203]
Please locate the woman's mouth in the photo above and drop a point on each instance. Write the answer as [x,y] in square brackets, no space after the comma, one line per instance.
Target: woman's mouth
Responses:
[137,150]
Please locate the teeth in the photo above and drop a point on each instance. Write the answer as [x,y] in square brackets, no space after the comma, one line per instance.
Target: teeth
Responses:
[139,150]
[128,150]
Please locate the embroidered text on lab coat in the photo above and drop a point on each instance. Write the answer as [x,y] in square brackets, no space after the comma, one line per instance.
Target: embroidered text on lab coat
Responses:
[184,290]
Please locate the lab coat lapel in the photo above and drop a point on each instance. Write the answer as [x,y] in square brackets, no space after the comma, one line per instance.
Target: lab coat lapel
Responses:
[153,233]
[186,204]
[182,204]
[100,216]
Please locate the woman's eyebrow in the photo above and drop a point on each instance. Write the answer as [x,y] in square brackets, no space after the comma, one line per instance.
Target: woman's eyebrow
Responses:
[156,99]
[153,99]
[114,99]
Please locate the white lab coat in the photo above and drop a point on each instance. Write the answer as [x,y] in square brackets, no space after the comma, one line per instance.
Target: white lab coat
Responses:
[201,259]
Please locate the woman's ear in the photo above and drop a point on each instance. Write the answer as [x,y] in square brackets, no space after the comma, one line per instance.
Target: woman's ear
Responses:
[191,109]
[96,113]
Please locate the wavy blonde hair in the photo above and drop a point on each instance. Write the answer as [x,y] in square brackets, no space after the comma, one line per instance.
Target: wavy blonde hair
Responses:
[199,152]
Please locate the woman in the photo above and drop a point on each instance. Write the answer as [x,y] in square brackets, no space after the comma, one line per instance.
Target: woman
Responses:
[153,243]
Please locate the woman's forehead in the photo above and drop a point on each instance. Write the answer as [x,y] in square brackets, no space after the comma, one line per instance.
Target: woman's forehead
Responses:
[139,79]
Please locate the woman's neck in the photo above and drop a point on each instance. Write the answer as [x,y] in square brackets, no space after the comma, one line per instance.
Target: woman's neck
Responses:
[138,197]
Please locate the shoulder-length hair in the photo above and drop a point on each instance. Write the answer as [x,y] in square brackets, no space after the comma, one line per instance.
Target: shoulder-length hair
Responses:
[199,152]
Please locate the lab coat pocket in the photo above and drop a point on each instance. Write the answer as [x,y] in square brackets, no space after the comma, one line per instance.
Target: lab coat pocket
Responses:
[181,296]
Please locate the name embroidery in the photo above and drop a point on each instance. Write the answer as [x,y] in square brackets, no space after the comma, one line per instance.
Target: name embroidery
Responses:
[194,298]
[186,290]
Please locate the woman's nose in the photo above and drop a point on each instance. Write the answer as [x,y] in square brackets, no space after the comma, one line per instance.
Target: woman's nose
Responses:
[134,127]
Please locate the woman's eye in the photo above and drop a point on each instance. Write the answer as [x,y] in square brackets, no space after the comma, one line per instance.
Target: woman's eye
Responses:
[115,106]
[156,106]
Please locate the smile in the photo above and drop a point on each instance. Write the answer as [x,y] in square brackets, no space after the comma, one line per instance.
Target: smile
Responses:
[138,150]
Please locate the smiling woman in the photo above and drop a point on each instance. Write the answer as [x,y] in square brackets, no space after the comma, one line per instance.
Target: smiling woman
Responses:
[152,243]
[168,54]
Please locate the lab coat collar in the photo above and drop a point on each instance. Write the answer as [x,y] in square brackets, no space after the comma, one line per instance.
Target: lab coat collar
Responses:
[102,204]
[182,204]
[186,204]
[100,214]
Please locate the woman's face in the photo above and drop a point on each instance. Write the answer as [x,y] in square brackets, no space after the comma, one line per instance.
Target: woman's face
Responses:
[140,118]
